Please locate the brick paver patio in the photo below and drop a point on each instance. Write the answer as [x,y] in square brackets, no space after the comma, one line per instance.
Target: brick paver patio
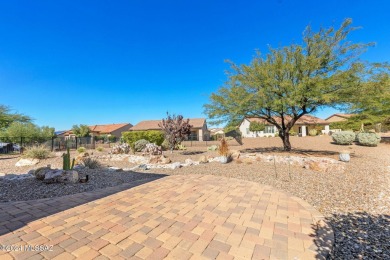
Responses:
[176,217]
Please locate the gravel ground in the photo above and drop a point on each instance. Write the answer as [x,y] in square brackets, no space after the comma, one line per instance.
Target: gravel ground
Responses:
[31,188]
[356,203]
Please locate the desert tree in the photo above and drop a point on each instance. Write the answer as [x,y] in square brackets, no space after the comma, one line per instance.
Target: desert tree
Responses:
[175,129]
[81,130]
[256,126]
[289,82]
[7,117]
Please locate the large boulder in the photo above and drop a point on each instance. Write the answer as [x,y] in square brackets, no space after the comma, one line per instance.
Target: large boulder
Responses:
[175,165]
[159,160]
[61,176]
[120,148]
[26,162]
[152,149]
[41,172]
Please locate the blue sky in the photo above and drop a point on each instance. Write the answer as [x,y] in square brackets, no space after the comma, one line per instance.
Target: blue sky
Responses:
[101,62]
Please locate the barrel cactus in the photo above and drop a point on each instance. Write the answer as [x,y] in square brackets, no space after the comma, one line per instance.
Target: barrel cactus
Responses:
[343,137]
[368,139]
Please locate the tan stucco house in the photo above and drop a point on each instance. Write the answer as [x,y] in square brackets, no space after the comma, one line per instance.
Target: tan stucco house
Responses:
[302,126]
[199,131]
[338,118]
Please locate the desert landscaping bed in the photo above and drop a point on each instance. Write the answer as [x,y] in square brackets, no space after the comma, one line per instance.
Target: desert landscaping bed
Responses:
[355,200]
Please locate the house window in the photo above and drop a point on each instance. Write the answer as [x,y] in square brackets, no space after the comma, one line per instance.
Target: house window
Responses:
[269,130]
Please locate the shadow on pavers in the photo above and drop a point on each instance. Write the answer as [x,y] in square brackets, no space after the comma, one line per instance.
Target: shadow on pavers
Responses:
[17,214]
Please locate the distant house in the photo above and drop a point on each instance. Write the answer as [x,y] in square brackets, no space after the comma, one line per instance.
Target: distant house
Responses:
[338,118]
[301,127]
[216,133]
[109,130]
[199,131]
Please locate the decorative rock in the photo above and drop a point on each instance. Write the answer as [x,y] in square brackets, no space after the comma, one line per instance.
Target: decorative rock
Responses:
[120,149]
[61,176]
[223,159]
[152,149]
[41,172]
[189,162]
[203,159]
[26,162]
[344,156]
[235,154]
[159,159]
[322,164]
[174,165]
[164,160]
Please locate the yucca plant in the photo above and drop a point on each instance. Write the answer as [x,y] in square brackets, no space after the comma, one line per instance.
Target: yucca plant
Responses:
[37,152]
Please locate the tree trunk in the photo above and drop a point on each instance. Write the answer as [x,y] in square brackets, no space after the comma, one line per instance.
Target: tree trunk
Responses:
[285,136]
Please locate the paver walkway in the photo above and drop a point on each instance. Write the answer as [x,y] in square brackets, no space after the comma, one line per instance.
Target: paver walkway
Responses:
[176,217]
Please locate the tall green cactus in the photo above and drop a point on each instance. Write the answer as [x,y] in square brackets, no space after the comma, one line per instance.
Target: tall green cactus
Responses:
[66,165]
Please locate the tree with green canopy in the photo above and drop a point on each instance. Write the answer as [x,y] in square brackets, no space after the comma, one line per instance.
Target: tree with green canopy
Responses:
[81,130]
[256,126]
[29,131]
[7,117]
[292,81]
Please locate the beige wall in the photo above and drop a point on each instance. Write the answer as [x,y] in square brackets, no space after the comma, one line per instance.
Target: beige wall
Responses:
[118,132]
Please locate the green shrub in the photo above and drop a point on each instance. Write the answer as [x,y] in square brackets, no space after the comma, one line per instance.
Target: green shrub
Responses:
[343,137]
[368,139]
[81,149]
[165,145]
[181,147]
[91,163]
[256,127]
[37,152]
[112,138]
[313,132]
[212,148]
[100,149]
[153,136]
[292,133]
[140,145]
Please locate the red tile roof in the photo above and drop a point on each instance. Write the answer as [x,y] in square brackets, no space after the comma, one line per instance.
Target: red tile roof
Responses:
[102,129]
[153,124]
[106,129]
